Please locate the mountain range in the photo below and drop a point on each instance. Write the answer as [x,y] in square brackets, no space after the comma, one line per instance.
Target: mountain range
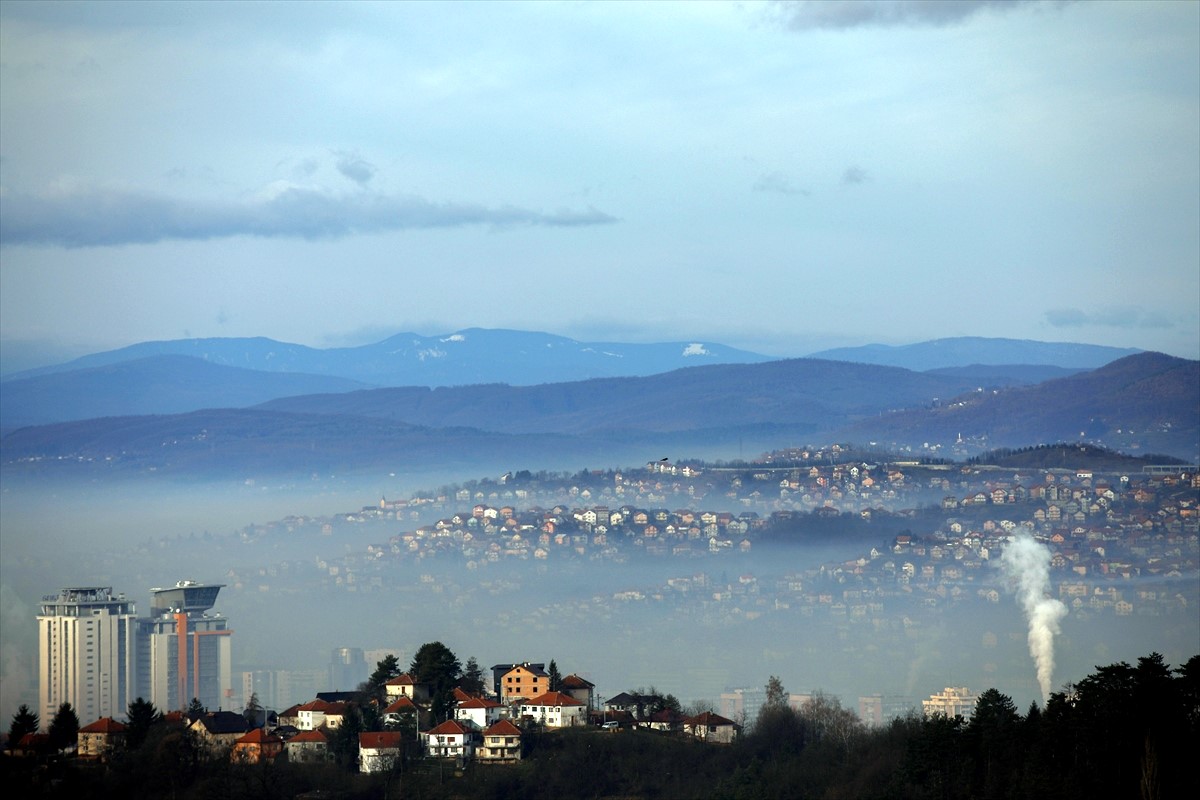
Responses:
[1145,403]
[183,375]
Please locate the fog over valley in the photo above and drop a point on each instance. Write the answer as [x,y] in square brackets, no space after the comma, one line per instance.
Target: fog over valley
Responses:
[304,573]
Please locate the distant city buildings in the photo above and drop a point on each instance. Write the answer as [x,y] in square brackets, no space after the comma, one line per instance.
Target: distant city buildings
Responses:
[876,710]
[953,701]
[97,655]
[347,669]
[744,705]
[86,646]
[277,689]
[183,651]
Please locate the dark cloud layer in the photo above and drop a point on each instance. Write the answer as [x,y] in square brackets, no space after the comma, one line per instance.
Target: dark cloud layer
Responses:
[98,217]
[799,15]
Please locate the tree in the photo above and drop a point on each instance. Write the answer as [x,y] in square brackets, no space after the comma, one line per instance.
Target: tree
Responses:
[253,710]
[141,715]
[776,694]
[23,722]
[64,728]
[344,741]
[472,678]
[555,677]
[196,709]
[436,665]
[991,737]
[387,668]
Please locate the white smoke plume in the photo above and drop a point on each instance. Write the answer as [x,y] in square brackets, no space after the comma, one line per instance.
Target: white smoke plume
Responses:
[1026,565]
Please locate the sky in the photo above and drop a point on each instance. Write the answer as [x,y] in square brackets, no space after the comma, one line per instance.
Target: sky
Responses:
[781,177]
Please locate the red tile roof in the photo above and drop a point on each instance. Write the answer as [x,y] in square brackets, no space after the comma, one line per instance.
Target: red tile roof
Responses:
[259,736]
[502,728]
[553,699]
[103,725]
[448,728]
[402,704]
[379,740]
[480,702]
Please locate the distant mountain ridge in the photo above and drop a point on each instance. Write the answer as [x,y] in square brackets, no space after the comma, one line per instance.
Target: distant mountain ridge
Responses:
[962,351]
[161,384]
[168,377]
[714,412]
[465,357]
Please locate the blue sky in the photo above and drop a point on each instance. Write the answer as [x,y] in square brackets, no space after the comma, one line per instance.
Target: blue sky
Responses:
[782,177]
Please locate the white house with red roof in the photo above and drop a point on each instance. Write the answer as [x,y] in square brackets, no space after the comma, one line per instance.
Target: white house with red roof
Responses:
[378,750]
[317,713]
[555,710]
[451,739]
[405,685]
[402,711]
[480,712]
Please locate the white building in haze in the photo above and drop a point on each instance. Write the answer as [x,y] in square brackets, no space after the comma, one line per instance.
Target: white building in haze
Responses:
[86,646]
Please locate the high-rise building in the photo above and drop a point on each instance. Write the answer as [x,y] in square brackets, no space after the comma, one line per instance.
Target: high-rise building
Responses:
[86,653]
[955,701]
[347,669]
[185,653]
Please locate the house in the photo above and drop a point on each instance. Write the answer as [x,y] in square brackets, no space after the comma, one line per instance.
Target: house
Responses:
[521,681]
[406,686]
[666,720]
[635,705]
[317,713]
[501,743]
[218,730]
[582,690]
[710,727]
[378,751]
[308,747]
[32,744]
[480,712]
[402,711]
[451,739]
[256,747]
[101,738]
[555,710]
[290,716]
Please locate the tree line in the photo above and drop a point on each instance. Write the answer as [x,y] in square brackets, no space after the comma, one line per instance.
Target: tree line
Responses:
[1126,730]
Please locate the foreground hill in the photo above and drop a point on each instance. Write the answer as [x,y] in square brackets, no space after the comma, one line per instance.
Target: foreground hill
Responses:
[1148,402]
[165,384]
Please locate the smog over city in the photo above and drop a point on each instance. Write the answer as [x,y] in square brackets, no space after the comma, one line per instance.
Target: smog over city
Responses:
[698,348]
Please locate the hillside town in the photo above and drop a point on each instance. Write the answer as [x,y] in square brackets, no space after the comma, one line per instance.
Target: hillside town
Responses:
[1121,542]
